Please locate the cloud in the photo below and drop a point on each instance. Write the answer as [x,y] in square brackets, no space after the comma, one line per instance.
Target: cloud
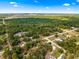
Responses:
[73,3]
[66,4]
[47,7]
[14,4]
[36,1]
[77,0]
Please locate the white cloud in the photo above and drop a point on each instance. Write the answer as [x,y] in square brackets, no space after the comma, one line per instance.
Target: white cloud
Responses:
[47,7]
[66,4]
[77,0]
[73,3]
[36,1]
[14,4]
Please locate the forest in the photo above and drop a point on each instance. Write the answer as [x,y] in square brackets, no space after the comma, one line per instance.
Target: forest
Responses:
[23,37]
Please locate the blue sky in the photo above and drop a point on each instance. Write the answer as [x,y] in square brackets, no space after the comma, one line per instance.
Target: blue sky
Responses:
[39,6]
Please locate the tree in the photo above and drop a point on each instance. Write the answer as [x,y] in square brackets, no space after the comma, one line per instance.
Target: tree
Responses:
[14,55]
[7,54]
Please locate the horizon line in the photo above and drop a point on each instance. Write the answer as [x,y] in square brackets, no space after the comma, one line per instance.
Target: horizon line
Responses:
[38,13]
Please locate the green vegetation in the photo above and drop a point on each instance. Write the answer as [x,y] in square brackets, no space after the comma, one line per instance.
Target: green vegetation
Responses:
[25,36]
[70,46]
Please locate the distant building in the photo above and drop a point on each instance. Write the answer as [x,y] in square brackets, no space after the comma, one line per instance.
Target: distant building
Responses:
[59,39]
[20,34]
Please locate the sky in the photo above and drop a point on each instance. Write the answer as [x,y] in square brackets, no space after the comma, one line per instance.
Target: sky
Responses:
[39,6]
